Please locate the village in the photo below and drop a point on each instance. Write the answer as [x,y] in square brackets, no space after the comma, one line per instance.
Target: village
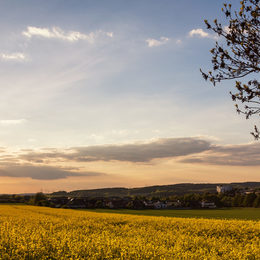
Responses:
[225,196]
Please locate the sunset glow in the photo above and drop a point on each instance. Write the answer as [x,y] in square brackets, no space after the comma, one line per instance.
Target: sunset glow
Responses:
[109,94]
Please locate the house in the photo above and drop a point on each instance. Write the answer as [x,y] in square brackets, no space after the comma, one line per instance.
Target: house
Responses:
[159,205]
[117,203]
[110,204]
[224,188]
[148,204]
[77,203]
[248,192]
[208,205]
[173,204]
[58,202]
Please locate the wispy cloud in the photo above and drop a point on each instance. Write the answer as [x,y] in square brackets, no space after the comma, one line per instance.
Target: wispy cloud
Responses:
[7,122]
[58,33]
[200,33]
[154,43]
[17,56]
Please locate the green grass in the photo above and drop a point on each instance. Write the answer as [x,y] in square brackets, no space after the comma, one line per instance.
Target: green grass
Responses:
[232,213]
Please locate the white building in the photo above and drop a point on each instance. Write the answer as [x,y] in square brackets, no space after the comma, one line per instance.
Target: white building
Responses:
[224,188]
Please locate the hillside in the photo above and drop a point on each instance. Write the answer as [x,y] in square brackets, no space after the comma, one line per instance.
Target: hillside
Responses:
[158,190]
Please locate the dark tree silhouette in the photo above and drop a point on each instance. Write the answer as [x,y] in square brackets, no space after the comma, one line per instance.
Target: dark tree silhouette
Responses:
[238,56]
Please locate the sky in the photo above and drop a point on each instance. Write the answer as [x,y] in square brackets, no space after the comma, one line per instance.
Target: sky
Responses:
[109,94]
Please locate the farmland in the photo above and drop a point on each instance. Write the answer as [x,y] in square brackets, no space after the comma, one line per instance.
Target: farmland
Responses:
[228,213]
[29,232]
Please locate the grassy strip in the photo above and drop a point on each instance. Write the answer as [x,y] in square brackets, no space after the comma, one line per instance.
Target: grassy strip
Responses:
[232,213]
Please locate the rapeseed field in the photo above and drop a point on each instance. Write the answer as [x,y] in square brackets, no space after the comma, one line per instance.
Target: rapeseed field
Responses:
[29,232]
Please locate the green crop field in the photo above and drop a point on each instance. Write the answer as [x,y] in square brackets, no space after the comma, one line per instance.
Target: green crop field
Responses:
[232,213]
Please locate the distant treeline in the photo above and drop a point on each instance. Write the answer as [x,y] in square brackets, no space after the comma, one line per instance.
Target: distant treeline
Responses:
[245,194]
[232,199]
[221,200]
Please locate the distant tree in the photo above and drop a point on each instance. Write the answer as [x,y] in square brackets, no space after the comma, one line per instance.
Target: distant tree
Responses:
[238,56]
[155,198]
[249,200]
[99,204]
[138,204]
[238,200]
[192,200]
[256,203]
[39,199]
[226,201]
[211,197]
[130,205]
[173,198]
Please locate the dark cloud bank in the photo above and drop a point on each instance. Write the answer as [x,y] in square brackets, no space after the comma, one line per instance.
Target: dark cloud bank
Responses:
[41,172]
[140,152]
[232,155]
[185,150]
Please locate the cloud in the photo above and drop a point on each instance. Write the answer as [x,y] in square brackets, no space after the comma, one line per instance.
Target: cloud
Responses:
[201,34]
[41,172]
[110,34]
[58,33]
[8,122]
[226,29]
[179,41]
[192,150]
[137,152]
[155,43]
[232,155]
[17,56]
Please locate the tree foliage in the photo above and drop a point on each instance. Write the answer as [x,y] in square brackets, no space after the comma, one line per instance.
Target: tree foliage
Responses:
[39,199]
[238,56]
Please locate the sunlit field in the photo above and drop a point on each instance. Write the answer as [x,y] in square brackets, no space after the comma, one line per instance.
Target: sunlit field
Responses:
[29,232]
